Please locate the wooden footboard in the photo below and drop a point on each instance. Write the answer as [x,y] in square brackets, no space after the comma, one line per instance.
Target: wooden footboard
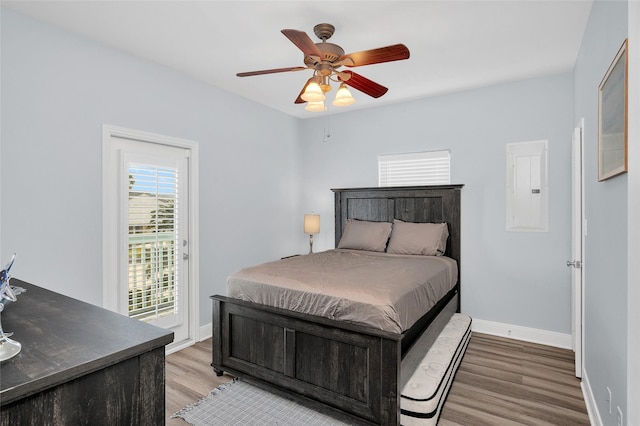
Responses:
[352,368]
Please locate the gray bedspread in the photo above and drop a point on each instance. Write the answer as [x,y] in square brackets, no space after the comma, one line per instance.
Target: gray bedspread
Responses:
[385,291]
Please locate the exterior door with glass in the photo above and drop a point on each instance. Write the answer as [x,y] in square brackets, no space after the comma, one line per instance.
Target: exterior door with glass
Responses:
[156,212]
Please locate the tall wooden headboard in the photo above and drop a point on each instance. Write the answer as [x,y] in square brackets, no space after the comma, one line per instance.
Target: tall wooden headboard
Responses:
[434,204]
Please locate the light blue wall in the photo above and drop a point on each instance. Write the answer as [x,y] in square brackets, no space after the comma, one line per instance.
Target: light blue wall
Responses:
[605,325]
[508,277]
[58,90]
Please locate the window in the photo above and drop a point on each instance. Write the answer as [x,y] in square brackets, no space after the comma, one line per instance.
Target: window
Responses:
[418,168]
[153,238]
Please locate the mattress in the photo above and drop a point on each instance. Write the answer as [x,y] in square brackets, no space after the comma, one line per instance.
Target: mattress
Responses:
[386,291]
[427,374]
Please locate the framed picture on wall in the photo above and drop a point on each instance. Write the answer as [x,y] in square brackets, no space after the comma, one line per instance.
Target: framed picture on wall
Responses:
[612,118]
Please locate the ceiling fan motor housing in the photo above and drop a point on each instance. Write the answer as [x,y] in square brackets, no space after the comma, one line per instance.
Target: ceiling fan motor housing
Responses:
[330,53]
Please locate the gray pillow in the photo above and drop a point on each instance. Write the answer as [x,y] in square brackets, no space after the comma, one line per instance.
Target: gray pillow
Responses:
[428,239]
[364,235]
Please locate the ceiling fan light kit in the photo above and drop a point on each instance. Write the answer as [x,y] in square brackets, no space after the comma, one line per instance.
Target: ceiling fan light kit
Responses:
[343,96]
[325,59]
[315,106]
[313,93]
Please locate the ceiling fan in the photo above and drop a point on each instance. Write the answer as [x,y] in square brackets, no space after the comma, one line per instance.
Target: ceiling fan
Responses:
[326,59]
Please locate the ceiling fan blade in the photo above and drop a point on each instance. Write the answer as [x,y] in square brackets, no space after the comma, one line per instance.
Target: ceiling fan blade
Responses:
[303,41]
[271,71]
[397,52]
[364,85]
[299,99]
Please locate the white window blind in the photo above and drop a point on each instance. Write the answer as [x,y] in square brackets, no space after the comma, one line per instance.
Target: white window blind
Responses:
[418,168]
[153,224]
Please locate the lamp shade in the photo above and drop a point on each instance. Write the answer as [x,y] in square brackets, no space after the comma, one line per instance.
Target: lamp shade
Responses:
[343,96]
[311,223]
[313,93]
[315,106]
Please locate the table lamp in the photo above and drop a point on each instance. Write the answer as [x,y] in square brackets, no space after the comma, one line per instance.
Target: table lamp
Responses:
[311,226]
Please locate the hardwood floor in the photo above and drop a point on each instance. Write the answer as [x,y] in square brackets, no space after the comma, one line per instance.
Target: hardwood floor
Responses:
[189,377]
[500,382]
[509,382]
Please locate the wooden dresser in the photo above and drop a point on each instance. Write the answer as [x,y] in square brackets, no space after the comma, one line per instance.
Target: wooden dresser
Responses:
[80,364]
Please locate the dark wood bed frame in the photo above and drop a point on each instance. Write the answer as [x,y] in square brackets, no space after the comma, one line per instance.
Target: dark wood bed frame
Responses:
[352,368]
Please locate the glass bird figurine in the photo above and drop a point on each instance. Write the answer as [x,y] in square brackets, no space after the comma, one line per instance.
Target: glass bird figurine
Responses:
[8,348]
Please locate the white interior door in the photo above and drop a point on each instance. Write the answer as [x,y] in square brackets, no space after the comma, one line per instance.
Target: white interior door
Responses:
[577,244]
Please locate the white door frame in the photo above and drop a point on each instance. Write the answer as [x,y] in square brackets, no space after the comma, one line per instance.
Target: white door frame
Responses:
[577,245]
[633,212]
[110,221]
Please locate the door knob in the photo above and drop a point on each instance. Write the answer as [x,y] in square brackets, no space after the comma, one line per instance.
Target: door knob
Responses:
[574,263]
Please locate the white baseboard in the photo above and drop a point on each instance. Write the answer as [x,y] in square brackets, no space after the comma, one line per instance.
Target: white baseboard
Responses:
[590,402]
[175,347]
[534,335]
[205,332]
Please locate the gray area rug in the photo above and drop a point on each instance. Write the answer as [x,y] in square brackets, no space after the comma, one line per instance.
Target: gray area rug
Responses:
[242,403]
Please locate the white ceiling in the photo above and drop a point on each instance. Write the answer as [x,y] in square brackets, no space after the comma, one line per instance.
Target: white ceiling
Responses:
[454,45]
